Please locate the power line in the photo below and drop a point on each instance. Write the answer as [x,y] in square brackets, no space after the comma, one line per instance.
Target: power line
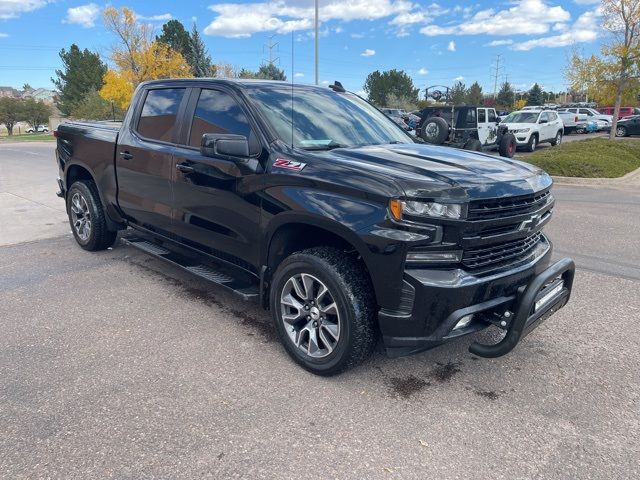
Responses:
[270,46]
[496,73]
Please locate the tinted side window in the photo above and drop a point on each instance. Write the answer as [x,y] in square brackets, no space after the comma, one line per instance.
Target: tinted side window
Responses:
[586,112]
[159,112]
[482,116]
[471,116]
[217,112]
[492,115]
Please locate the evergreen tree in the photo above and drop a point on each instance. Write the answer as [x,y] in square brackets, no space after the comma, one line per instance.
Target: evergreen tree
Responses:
[270,72]
[506,96]
[474,94]
[175,35]
[198,57]
[458,93]
[535,96]
[379,86]
[82,72]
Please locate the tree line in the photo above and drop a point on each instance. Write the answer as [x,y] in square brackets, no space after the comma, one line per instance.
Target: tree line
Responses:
[89,88]
[395,89]
[14,110]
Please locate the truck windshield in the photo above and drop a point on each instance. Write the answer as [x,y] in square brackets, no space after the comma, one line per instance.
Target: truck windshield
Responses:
[522,117]
[323,119]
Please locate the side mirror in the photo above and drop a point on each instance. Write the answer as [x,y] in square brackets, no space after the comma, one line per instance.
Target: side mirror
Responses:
[543,121]
[216,144]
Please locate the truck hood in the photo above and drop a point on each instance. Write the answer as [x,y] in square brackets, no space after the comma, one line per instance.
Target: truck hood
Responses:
[427,171]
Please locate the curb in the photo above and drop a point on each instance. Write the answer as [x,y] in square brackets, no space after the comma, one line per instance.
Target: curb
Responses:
[631,178]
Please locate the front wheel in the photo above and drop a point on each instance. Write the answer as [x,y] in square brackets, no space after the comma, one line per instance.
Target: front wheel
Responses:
[324,310]
[533,143]
[87,217]
[621,131]
[507,147]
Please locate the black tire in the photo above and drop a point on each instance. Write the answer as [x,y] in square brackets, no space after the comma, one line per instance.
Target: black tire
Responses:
[557,140]
[351,291]
[473,144]
[508,145]
[435,130]
[621,131]
[98,236]
[532,143]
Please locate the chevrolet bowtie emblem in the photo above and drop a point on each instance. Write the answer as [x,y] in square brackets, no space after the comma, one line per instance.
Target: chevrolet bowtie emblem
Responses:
[530,223]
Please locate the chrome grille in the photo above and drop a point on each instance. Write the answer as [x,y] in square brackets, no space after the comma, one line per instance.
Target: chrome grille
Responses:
[500,253]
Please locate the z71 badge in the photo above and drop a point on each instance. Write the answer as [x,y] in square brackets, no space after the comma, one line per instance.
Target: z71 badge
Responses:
[289,164]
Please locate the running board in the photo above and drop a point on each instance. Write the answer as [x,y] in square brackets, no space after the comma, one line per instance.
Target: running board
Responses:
[236,282]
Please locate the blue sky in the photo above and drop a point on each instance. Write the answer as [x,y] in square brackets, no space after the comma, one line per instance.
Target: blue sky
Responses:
[435,43]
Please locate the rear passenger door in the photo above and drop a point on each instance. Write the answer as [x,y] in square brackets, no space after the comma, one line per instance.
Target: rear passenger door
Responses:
[483,126]
[144,159]
[217,199]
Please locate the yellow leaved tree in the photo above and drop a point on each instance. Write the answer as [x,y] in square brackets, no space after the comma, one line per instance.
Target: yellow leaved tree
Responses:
[136,57]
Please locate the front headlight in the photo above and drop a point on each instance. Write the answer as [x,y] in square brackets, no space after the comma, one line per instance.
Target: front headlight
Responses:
[398,208]
[522,130]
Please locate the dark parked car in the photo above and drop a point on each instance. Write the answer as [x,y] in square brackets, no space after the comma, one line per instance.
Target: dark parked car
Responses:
[628,126]
[313,203]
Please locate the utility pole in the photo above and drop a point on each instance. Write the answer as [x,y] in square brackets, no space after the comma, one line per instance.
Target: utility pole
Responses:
[270,46]
[496,73]
[316,42]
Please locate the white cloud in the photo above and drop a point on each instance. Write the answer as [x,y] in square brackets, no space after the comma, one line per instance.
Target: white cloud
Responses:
[3,35]
[499,43]
[298,75]
[237,20]
[368,53]
[361,93]
[13,8]
[357,35]
[452,46]
[423,71]
[459,79]
[527,17]
[155,18]
[83,15]
[585,29]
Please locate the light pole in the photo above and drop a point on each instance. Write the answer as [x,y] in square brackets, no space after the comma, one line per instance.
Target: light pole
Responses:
[316,42]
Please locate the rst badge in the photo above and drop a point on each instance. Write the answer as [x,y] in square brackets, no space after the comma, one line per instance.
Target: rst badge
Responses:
[289,164]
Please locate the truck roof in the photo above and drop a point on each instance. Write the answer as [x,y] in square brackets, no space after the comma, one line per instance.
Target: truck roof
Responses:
[238,82]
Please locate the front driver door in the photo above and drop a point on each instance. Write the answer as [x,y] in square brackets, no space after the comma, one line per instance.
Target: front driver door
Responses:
[144,159]
[216,199]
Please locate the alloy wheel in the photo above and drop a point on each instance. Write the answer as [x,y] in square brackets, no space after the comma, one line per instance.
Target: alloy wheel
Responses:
[80,216]
[310,315]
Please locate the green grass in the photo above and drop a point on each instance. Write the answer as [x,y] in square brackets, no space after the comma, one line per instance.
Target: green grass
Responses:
[593,158]
[28,137]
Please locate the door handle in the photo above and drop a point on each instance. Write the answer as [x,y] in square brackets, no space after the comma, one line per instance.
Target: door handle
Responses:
[126,155]
[184,168]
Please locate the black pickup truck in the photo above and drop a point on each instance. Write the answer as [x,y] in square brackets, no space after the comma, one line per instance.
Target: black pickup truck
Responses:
[312,202]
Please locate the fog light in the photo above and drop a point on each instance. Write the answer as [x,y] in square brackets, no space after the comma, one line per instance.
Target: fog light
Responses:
[434,257]
[464,322]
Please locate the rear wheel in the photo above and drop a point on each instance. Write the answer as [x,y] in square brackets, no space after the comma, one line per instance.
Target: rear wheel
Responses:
[324,310]
[435,130]
[87,217]
[557,140]
[533,143]
[507,147]
[621,131]
[473,144]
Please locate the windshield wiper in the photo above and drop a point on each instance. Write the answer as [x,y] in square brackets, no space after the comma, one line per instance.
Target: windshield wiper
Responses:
[324,146]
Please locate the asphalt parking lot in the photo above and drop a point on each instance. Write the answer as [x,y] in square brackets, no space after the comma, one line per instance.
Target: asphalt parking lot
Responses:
[114,364]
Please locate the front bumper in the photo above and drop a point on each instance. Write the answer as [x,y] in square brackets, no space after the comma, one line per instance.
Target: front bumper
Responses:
[442,298]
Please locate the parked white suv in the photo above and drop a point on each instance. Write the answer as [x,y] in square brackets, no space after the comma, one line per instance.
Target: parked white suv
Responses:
[38,129]
[532,127]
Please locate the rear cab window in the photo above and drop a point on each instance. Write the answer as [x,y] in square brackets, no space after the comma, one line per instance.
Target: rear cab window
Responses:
[159,113]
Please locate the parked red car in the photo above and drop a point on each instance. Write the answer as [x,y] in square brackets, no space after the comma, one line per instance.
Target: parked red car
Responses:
[624,111]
